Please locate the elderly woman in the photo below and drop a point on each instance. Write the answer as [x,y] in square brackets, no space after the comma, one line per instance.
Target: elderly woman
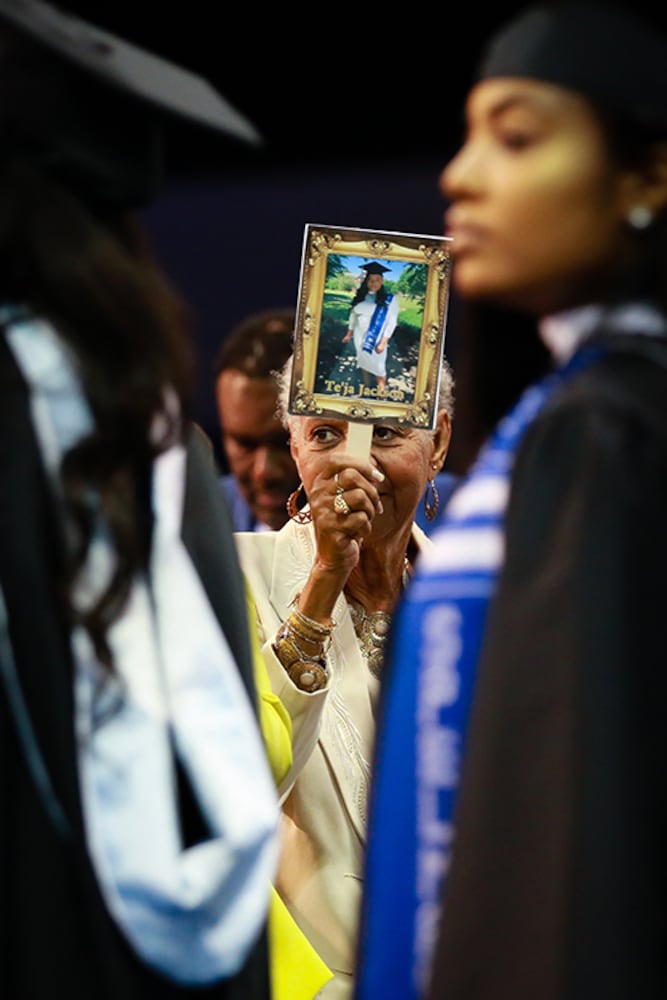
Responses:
[325,586]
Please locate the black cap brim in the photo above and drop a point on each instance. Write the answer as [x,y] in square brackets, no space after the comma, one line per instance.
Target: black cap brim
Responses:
[129,68]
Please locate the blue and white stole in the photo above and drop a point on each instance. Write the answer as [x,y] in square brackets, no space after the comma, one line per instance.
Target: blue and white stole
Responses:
[375,326]
[431,666]
[190,912]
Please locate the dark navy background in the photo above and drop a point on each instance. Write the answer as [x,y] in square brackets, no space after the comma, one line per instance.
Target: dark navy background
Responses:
[233,245]
[359,109]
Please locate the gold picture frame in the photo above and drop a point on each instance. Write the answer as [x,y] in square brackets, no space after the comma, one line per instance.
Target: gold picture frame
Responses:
[330,373]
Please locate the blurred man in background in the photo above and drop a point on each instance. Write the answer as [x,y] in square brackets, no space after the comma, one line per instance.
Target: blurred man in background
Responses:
[261,472]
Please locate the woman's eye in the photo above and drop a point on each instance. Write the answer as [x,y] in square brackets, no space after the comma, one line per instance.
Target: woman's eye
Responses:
[515,139]
[518,129]
[324,435]
[384,433]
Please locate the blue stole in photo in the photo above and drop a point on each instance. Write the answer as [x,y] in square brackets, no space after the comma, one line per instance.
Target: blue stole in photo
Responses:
[430,677]
[375,325]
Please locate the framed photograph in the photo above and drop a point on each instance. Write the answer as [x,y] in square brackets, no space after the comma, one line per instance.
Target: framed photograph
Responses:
[370,330]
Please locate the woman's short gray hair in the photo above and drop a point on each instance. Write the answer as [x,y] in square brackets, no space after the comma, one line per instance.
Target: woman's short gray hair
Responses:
[284,380]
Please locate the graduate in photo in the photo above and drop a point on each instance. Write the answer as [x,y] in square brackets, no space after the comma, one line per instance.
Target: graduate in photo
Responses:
[373,319]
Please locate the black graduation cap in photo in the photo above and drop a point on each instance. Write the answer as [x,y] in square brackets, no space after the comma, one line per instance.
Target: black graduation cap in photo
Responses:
[374,268]
[92,108]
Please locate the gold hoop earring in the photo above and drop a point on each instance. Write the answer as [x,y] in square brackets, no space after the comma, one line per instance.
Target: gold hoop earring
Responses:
[298,516]
[431,500]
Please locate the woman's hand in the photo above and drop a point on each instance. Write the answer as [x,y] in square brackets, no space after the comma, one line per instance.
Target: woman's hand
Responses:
[344,501]
[347,337]
[380,346]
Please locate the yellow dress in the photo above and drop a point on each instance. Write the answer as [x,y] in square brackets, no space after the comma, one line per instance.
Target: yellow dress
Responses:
[297,971]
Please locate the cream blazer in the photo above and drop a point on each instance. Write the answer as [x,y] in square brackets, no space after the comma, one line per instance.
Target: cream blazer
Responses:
[324,795]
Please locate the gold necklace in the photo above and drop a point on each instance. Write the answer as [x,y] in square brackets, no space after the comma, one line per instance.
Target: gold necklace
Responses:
[373,629]
[372,632]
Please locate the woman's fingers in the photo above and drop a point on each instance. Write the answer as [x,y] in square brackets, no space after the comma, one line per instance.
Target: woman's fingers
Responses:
[359,483]
[357,500]
[344,501]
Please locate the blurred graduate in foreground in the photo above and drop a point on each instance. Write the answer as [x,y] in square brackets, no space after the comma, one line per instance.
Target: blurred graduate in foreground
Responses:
[138,817]
[523,728]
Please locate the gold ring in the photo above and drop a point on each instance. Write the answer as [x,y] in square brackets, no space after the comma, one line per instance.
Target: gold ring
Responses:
[340,504]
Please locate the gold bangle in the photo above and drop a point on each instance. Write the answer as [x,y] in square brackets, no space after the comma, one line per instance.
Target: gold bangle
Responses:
[307,622]
[310,625]
[307,671]
[318,642]
[307,676]
[287,651]
[288,631]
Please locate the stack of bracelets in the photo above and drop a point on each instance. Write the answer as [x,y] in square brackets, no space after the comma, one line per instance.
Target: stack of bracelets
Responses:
[306,667]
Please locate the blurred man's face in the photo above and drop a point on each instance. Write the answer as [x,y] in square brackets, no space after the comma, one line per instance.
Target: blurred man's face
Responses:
[256,445]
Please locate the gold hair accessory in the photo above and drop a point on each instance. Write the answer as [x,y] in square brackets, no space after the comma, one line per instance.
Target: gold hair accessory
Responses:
[298,516]
[431,500]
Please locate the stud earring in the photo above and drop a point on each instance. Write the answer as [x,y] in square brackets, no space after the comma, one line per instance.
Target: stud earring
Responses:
[640,217]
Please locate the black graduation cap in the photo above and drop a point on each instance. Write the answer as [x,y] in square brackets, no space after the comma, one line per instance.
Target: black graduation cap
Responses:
[91,107]
[603,51]
[374,268]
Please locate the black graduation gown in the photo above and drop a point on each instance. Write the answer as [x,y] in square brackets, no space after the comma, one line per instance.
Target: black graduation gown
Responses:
[56,935]
[558,883]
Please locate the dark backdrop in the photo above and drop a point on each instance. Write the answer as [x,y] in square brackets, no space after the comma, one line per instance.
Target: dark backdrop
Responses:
[234,244]
[359,111]
[359,108]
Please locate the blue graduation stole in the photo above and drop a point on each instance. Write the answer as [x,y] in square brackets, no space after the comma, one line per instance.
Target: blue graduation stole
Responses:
[375,325]
[431,665]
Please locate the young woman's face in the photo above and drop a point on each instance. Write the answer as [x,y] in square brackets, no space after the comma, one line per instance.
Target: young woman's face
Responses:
[537,210]
[374,282]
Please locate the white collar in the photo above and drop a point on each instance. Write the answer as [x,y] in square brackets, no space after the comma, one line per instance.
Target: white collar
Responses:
[563,332]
